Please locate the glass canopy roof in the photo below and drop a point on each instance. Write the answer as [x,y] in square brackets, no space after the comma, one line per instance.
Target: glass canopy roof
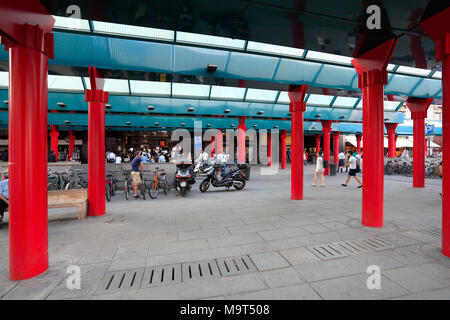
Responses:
[199,91]
[99,27]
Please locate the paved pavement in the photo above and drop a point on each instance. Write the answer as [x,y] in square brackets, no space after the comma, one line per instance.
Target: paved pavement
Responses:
[259,227]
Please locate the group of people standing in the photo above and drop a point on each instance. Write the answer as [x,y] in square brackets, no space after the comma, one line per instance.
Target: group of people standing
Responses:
[351,161]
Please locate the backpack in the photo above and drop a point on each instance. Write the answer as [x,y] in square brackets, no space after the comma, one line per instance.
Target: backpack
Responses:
[325,164]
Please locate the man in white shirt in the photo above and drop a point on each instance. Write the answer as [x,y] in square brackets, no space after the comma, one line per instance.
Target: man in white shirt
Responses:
[111,157]
[352,164]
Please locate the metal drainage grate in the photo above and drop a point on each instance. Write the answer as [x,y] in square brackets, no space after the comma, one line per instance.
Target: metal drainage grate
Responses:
[200,270]
[121,280]
[344,248]
[433,231]
[161,276]
[235,265]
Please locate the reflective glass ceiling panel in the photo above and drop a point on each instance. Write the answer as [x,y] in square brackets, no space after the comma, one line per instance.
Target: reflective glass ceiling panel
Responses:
[345,102]
[118,86]
[319,100]
[4,79]
[150,88]
[67,23]
[284,98]
[132,31]
[65,83]
[413,71]
[189,90]
[259,95]
[202,39]
[328,57]
[274,49]
[227,93]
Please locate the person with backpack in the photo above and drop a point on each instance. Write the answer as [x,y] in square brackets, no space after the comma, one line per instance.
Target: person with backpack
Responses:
[319,169]
[353,165]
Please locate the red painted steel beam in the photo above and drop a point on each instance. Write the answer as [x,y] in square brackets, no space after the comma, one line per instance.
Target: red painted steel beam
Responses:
[71,144]
[326,129]
[54,134]
[438,29]
[283,136]
[418,108]
[96,98]
[372,76]
[296,107]
[358,142]
[392,147]
[25,28]
[336,146]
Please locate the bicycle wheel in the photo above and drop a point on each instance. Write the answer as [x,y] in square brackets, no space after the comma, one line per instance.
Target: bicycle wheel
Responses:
[165,186]
[154,190]
[143,189]
[126,188]
[107,192]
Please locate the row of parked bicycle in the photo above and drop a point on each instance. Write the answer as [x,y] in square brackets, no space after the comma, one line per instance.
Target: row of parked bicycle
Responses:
[153,181]
[403,167]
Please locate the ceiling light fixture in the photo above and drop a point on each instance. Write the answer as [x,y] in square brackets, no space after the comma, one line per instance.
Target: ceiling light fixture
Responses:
[61,104]
[211,68]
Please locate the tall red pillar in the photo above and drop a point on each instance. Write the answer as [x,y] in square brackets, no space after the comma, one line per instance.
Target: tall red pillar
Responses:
[372,76]
[25,29]
[296,107]
[336,146]
[241,139]
[392,146]
[96,98]
[317,137]
[438,28]
[283,148]
[71,144]
[426,148]
[54,134]
[418,108]
[326,129]
[269,149]
[358,142]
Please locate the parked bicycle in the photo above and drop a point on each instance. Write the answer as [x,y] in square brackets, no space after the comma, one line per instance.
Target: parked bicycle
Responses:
[110,186]
[159,182]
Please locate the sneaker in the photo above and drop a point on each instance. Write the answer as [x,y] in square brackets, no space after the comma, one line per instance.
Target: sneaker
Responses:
[322,185]
[314,185]
[343,184]
[360,186]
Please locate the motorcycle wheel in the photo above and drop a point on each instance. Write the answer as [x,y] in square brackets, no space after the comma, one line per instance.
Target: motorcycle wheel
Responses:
[240,186]
[183,191]
[204,186]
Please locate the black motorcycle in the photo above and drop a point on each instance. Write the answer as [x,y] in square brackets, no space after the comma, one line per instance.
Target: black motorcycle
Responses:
[235,178]
[183,177]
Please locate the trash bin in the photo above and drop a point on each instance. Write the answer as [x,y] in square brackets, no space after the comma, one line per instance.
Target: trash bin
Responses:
[246,168]
[333,169]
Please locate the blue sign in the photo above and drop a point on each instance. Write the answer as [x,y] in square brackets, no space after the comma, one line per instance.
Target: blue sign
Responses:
[429,129]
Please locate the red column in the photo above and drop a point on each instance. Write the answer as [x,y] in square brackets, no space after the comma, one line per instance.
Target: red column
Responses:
[426,148]
[358,143]
[317,137]
[336,146]
[219,141]
[392,147]
[438,28]
[418,108]
[297,107]
[372,75]
[54,134]
[269,149]
[283,148]
[241,140]
[71,144]
[326,129]
[28,67]
[96,98]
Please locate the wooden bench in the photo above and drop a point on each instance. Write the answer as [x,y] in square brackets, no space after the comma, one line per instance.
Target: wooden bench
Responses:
[69,198]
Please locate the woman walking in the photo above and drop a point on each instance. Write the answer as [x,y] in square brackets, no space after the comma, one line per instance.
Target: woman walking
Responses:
[319,169]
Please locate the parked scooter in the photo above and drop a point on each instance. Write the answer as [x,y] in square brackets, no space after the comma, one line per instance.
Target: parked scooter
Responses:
[235,178]
[183,178]
[200,168]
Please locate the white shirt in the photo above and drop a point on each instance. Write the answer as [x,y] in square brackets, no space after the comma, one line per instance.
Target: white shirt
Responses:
[118,159]
[111,156]
[341,156]
[319,164]
[352,162]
